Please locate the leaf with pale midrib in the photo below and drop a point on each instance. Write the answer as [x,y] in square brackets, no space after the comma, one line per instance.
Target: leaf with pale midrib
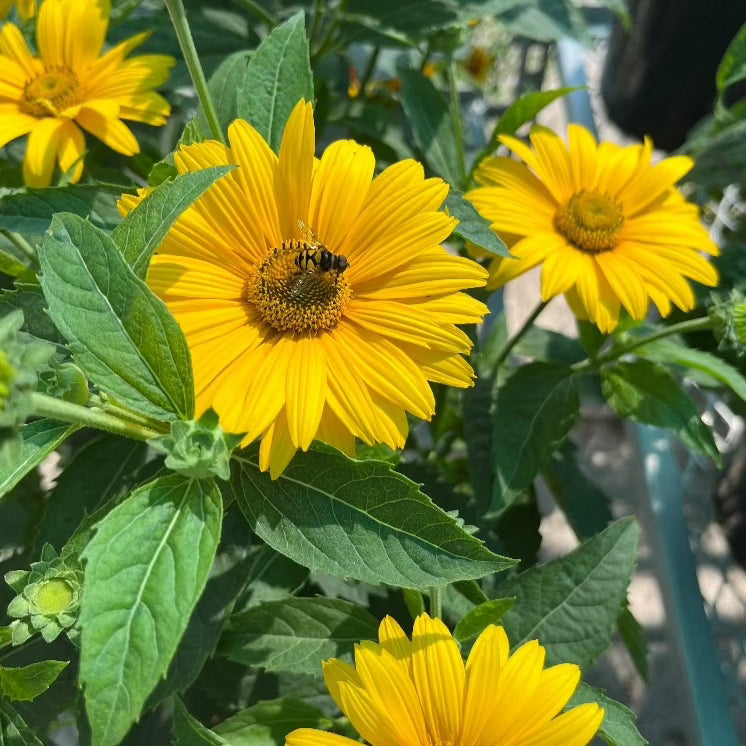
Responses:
[146,567]
[571,604]
[121,335]
[143,230]
[277,76]
[359,520]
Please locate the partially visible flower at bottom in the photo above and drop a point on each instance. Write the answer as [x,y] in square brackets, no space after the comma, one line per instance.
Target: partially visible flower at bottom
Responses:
[419,693]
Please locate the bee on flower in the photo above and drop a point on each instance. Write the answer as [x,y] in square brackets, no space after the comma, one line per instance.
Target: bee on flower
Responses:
[72,85]
[316,299]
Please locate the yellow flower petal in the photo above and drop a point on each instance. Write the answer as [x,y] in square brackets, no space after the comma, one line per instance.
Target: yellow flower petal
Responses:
[310,737]
[13,124]
[438,673]
[339,189]
[41,153]
[304,391]
[394,640]
[576,727]
[71,150]
[295,170]
[13,45]
[111,131]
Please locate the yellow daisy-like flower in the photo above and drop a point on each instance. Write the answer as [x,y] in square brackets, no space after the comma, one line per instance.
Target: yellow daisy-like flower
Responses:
[332,336]
[607,226]
[419,693]
[26,8]
[72,85]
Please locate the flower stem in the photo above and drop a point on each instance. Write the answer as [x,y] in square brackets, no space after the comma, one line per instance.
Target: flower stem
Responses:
[436,602]
[513,341]
[23,245]
[369,68]
[59,409]
[186,42]
[458,131]
[683,327]
[130,415]
[260,12]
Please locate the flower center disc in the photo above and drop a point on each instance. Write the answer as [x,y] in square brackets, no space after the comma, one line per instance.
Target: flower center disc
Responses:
[590,221]
[50,93]
[300,300]
[54,596]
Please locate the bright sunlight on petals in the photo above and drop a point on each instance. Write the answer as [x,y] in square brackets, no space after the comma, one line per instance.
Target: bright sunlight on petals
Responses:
[609,229]
[72,85]
[317,301]
[419,693]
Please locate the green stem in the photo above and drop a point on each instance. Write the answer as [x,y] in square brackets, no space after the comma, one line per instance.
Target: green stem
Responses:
[317,10]
[186,42]
[436,602]
[130,415]
[458,131]
[59,409]
[369,68]
[513,341]
[683,327]
[23,245]
[260,12]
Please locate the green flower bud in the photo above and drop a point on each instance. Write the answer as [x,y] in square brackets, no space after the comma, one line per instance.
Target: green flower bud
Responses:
[729,316]
[64,380]
[47,600]
[197,448]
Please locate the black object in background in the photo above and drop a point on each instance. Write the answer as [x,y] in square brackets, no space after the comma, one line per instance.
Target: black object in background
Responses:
[659,77]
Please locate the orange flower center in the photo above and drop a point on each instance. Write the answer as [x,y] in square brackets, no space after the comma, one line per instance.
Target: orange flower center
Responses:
[297,289]
[591,221]
[52,92]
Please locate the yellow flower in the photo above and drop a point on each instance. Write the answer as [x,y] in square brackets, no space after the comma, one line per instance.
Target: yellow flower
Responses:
[71,84]
[607,226]
[419,693]
[287,343]
[26,8]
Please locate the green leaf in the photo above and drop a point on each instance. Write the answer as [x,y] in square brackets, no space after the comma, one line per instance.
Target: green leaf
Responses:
[228,577]
[5,636]
[586,507]
[618,727]
[544,345]
[144,229]
[224,85]
[13,729]
[430,119]
[122,336]
[267,723]
[32,211]
[36,322]
[525,109]
[535,410]
[671,351]
[97,471]
[407,20]
[188,731]
[732,67]
[359,520]
[27,683]
[472,226]
[146,568]
[571,604]
[479,618]
[297,634]
[648,393]
[277,77]
[40,438]
[633,636]
[16,263]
